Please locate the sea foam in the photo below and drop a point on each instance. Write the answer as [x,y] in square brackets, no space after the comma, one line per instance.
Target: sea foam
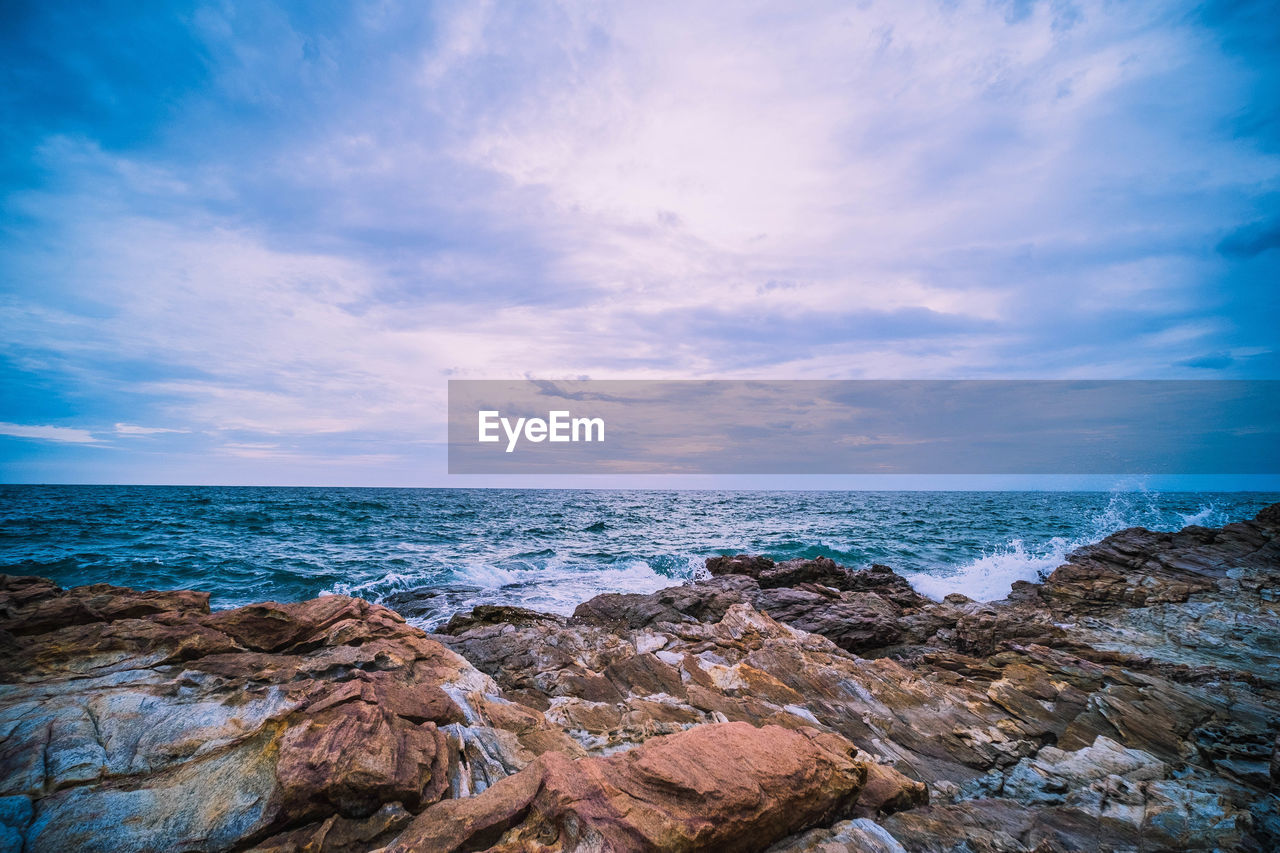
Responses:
[990,576]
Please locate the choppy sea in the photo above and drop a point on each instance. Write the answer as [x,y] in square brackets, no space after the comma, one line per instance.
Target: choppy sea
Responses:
[551,549]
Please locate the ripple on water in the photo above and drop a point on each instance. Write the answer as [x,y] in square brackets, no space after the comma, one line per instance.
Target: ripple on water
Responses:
[550,549]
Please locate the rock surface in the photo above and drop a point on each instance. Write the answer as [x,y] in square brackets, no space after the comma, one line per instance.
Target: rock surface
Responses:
[1129,702]
[141,721]
[730,787]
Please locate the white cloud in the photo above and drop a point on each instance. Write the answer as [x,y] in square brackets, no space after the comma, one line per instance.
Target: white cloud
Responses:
[685,190]
[133,430]
[65,435]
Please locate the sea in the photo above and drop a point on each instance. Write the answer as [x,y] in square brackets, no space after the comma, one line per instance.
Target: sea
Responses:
[550,550]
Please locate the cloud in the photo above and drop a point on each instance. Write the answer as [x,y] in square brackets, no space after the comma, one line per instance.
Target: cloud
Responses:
[260,223]
[251,450]
[65,435]
[1216,361]
[133,430]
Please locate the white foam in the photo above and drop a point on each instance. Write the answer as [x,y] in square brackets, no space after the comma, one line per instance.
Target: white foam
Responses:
[990,577]
[1207,516]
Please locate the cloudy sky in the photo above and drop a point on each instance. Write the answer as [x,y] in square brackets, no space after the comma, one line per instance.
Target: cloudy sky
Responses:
[249,243]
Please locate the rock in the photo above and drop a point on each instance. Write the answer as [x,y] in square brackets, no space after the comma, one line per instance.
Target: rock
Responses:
[487,614]
[141,721]
[887,791]
[742,564]
[338,833]
[729,787]
[822,571]
[702,602]
[1030,706]
[855,622]
[1129,702]
[1138,567]
[31,605]
[1004,826]
[849,836]
[1053,775]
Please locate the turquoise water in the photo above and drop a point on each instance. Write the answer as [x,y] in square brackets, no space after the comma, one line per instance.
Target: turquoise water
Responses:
[550,549]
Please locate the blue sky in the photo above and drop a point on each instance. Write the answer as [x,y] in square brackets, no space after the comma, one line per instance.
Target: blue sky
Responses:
[250,242]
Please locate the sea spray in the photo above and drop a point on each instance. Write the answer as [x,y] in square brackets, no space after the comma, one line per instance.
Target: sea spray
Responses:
[549,549]
[989,576]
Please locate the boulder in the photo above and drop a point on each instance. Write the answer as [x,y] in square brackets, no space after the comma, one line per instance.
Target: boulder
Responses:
[141,721]
[724,788]
[1129,702]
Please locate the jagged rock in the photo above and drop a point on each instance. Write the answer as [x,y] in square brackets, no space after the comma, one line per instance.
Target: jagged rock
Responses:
[849,836]
[982,699]
[613,685]
[742,564]
[140,721]
[30,605]
[1004,826]
[728,787]
[488,614]
[855,622]
[1128,703]
[859,611]
[338,834]
[1138,567]
[702,602]
[887,791]
[822,571]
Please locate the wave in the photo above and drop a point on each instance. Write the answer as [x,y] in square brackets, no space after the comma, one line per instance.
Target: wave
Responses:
[546,548]
[991,576]
[551,585]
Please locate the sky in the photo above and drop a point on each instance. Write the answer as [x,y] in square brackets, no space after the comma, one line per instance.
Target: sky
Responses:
[250,242]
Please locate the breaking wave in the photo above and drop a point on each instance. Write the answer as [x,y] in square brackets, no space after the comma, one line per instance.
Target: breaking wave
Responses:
[989,576]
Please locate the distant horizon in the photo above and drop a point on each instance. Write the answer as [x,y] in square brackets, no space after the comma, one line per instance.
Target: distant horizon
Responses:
[1273,489]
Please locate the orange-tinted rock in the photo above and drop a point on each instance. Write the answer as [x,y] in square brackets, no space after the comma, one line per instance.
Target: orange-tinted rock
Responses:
[887,791]
[352,758]
[1127,703]
[140,721]
[716,788]
[30,605]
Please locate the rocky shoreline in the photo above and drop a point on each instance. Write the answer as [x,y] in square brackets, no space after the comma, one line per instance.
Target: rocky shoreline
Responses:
[1129,702]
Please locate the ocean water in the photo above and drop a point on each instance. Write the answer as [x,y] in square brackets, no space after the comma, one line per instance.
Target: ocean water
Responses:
[550,549]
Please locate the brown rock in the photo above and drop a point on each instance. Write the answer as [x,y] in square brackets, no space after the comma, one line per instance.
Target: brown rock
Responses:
[1002,826]
[887,791]
[352,758]
[148,723]
[716,788]
[30,605]
[742,564]
[1129,702]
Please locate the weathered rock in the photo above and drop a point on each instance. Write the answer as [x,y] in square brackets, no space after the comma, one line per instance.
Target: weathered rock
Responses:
[726,788]
[487,614]
[30,605]
[140,721]
[1128,703]
[742,564]
[1004,826]
[702,602]
[849,836]
[1138,567]
[853,621]
[1023,703]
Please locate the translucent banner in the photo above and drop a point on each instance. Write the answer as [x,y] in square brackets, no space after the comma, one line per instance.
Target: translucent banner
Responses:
[864,427]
